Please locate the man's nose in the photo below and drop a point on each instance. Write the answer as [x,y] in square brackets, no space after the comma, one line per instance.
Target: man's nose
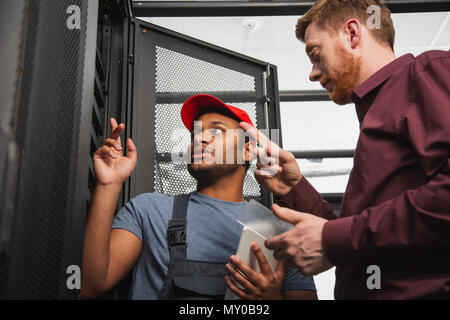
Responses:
[207,137]
[202,137]
[315,74]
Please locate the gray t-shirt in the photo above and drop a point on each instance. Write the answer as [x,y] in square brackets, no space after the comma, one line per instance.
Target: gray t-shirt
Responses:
[213,235]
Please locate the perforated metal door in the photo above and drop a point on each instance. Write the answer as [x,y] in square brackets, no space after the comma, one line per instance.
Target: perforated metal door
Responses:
[42,235]
[168,68]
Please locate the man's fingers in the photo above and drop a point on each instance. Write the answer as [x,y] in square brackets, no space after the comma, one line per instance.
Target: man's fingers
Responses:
[280,254]
[267,172]
[265,159]
[116,129]
[280,270]
[131,150]
[251,130]
[281,266]
[275,242]
[289,215]
[248,272]
[267,148]
[264,266]
[266,166]
[115,134]
[106,152]
[260,137]
[113,144]
[113,123]
[238,277]
[241,293]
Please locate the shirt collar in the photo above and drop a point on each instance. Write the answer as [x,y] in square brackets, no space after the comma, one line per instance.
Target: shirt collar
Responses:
[382,75]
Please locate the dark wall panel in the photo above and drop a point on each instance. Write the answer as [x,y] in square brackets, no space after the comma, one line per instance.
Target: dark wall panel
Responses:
[51,119]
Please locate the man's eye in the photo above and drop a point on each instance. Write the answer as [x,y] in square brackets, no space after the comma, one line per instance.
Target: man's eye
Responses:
[216,132]
[316,56]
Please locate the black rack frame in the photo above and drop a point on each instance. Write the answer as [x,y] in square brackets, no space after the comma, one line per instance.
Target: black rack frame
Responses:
[262,8]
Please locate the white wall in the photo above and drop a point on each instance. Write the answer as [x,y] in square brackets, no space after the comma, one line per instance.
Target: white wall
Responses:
[325,284]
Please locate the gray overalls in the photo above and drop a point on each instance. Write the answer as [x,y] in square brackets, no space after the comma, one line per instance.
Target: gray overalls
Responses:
[187,279]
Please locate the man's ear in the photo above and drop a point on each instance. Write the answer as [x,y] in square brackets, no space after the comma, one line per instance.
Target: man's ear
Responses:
[250,150]
[353,33]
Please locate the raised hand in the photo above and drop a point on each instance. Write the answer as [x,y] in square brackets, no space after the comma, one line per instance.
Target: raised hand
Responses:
[277,170]
[110,165]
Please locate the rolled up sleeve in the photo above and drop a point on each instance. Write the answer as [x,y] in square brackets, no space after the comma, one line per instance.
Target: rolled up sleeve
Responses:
[303,197]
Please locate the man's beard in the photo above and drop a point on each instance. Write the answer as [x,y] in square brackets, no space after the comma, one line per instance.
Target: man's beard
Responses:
[208,174]
[346,78]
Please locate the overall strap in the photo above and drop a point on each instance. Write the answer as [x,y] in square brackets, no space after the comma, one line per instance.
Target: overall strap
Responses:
[176,238]
[176,232]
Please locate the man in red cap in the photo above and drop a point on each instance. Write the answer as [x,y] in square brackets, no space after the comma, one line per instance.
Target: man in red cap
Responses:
[216,158]
[179,246]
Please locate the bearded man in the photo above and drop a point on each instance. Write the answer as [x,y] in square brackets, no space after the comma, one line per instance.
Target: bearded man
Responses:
[391,240]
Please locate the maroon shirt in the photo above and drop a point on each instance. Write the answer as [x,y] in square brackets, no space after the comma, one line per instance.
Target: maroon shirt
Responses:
[396,209]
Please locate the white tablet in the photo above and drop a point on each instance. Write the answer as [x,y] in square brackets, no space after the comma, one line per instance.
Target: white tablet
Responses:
[245,253]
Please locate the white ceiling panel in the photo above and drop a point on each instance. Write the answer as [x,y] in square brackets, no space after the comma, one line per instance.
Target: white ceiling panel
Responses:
[443,36]
[320,125]
[417,29]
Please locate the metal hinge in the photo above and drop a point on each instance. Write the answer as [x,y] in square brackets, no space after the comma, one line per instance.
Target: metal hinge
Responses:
[131,59]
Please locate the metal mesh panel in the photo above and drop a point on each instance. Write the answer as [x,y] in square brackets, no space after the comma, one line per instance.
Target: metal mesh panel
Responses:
[47,127]
[177,77]
[178,72]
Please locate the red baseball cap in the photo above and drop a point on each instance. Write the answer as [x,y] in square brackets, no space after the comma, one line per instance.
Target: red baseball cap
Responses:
[192,106]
